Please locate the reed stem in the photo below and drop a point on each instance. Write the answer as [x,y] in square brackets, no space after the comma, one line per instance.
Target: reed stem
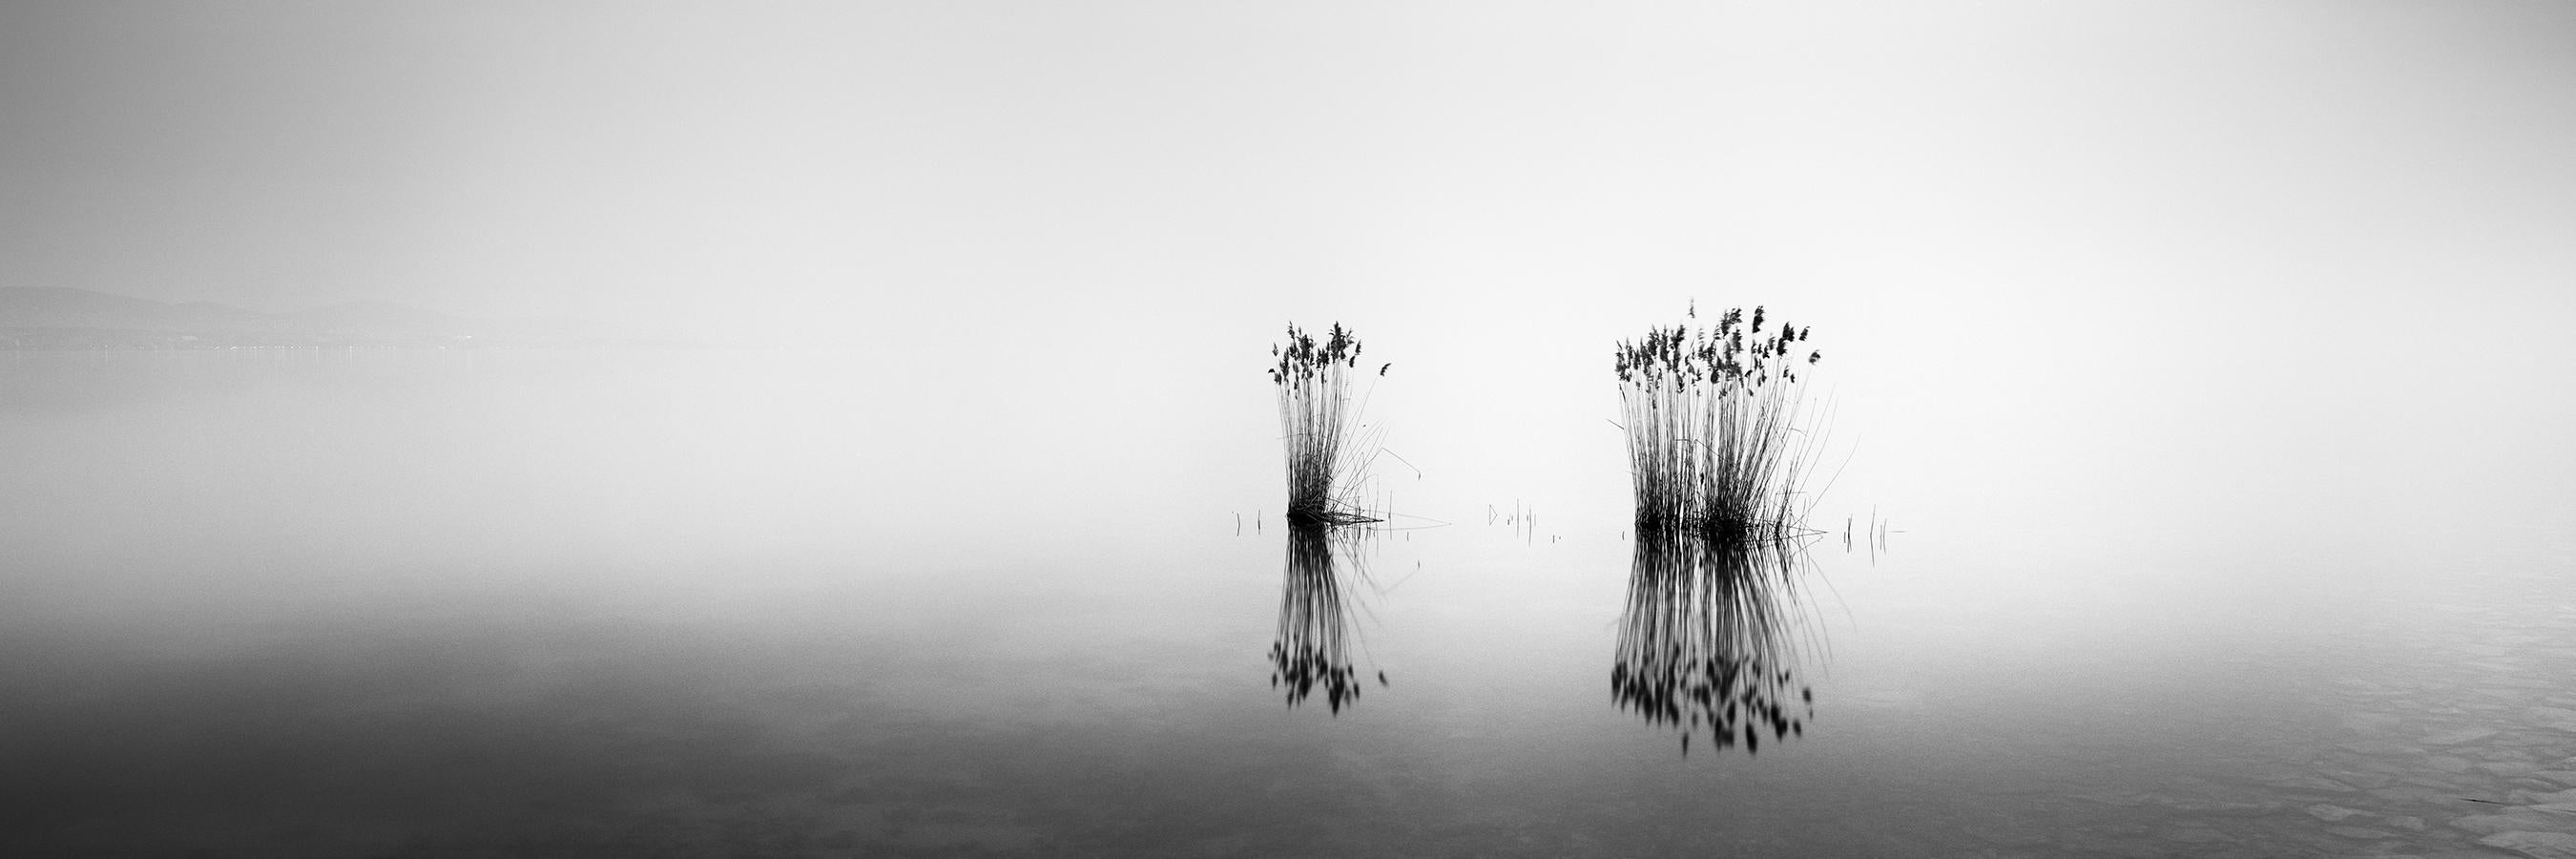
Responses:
[1713,426]
[1329,453]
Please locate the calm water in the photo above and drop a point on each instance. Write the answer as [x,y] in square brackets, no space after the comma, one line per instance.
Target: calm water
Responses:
[770,603]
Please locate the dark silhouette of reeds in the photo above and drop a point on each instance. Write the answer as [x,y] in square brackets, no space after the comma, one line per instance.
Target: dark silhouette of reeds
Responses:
[1710,640]
[1712,422]
[1329,453]
[1312,652]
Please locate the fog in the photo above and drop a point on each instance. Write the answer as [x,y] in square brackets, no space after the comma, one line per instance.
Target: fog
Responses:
[2203,364]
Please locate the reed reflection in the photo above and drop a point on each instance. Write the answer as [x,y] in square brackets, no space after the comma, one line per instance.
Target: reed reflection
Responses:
[1711,638]
[1313,650]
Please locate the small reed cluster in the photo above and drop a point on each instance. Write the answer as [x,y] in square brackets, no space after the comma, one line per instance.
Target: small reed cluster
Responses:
[1329,454]
[1710,415]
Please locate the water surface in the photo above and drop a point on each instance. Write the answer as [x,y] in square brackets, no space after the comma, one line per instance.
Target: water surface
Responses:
[461,603]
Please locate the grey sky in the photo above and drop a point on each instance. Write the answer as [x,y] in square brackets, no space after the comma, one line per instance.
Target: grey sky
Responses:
[767,162]
[2009,222]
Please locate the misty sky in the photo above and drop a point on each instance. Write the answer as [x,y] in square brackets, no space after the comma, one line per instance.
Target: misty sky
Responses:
[2347,224]
[766,161]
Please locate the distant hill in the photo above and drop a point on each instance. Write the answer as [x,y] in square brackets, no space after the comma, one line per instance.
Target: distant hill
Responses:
[379,318]
[53,307]
[60,318]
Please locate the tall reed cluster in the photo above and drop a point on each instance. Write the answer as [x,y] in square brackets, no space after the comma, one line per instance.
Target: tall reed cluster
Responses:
[1711,416]
[1329,452]
[1710,639]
